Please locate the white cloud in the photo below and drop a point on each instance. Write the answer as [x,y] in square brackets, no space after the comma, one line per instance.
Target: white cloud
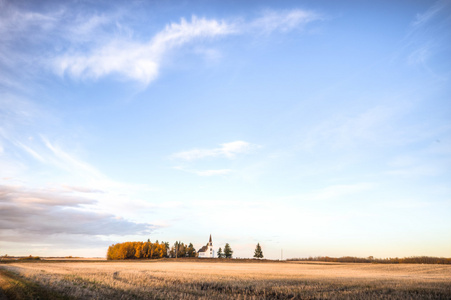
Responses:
[135,60]
[66,161]
[177,34]
[431,13]
[283,20]
[376,125]
[428,38]
[65,169]
[122,57]
[338,191]
[31,152]
[332,192]
[14,21]
[209,54]
[415,171]
[418,164]
[204,172]
[91,177]
[86,25]
[91,46]
[419,56]
[228,150]
[213,172]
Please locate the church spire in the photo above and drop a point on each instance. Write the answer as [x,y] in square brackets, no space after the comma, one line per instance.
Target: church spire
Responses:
[210,241]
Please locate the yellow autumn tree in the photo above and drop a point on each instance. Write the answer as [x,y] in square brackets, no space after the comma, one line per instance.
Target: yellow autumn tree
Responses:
[137,250]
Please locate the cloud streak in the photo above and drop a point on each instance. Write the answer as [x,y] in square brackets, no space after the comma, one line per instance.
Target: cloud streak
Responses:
[427,39]
[93,46]
[134,60]
[66,161]
[206,173]
[227,150]
[283,21]
[430,14]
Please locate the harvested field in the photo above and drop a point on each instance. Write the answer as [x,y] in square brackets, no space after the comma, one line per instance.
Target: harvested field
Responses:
[208,279]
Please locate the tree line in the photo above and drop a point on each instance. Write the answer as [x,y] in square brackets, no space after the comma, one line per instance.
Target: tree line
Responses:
[149,250]
[370,259]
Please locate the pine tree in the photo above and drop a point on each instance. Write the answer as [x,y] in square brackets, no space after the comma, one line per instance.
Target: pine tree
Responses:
[228,251]
[220,254]
[191,251]
[258,251]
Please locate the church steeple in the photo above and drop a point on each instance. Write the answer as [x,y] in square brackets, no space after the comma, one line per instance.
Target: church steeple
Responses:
[210,243]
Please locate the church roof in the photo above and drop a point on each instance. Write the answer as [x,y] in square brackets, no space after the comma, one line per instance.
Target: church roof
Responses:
[203,249]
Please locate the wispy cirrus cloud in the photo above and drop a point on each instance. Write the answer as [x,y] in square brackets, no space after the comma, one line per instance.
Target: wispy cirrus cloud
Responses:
[54,160]
[428,38]
[55,155]
[429,14]
[92,45]
[338,191]
[213,172]
[64,160]
[283,21]
[333,192]
[419,56]
[135,60]
[227,150]
[30,151]
[15,21]
[141,61]
[205,173]
[374,125]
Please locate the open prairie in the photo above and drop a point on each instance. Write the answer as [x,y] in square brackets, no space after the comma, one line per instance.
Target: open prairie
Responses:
[214,279]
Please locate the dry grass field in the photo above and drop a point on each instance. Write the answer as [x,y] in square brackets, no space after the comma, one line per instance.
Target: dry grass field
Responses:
[214,279]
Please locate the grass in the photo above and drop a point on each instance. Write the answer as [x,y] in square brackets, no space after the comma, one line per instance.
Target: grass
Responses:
[232,279]
[14,286]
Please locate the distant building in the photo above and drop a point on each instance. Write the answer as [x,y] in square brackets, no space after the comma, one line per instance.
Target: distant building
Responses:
[207,250]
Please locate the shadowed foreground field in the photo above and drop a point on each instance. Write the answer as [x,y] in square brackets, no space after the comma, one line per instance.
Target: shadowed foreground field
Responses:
[213,279]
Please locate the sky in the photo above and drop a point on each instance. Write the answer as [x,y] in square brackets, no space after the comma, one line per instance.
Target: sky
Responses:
[311,127]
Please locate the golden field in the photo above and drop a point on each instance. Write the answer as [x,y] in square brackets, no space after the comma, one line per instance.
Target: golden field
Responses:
[222,279]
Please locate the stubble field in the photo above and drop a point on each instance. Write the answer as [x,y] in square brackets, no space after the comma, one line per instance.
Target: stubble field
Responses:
[214,279]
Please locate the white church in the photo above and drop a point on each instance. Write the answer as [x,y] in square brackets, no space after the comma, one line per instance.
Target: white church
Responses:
[207,250]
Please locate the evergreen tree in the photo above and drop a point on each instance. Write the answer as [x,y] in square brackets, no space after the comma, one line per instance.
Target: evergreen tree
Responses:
[220,254]
[191,251]
[228,251]
[258,251]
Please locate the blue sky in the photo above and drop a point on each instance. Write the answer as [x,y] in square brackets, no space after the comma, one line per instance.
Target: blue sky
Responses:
[316,127]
